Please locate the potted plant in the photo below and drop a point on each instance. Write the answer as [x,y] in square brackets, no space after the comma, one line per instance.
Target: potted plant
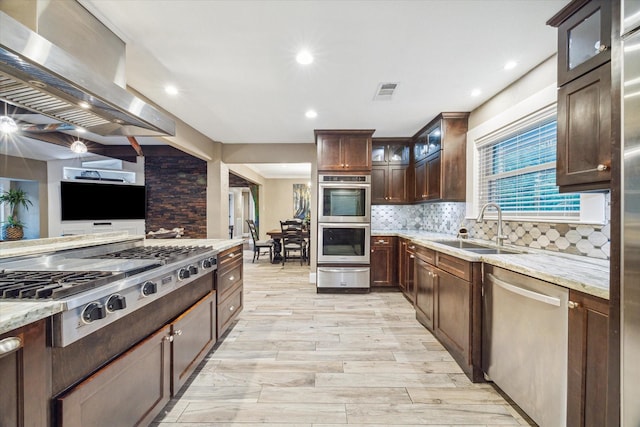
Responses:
[13,227]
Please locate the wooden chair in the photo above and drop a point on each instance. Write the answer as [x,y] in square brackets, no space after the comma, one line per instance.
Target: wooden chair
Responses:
[292,240]
[259,244]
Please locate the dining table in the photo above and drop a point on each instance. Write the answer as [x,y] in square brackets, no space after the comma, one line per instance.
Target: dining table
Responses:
[276,235]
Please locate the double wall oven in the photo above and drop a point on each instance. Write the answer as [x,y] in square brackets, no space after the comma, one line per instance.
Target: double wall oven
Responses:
[344,232]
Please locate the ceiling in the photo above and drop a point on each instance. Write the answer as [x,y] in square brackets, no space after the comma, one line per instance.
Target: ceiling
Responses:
[234,65]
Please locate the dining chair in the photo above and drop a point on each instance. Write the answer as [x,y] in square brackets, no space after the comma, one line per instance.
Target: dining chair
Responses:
[293,240]
[258,245]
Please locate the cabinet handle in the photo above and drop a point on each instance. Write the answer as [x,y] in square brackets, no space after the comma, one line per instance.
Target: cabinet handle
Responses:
[169,338]
[412,247]
[347,165]
[9,345]
[178,332]
[231,278]
[232,308]
[602,168]
[573,304]
[424,195]
[372,250]
[382,241]
[412,256]
[603,47]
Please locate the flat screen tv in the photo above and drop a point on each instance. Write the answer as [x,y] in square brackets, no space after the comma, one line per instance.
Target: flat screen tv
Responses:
[83,201]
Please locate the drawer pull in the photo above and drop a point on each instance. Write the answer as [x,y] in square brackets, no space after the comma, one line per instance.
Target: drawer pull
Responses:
[169,338]
[412,256]
[412,247]
[231,277]
[602,168]
[231,255]
[9,345]
[382,241]
[232,308]
[178,332]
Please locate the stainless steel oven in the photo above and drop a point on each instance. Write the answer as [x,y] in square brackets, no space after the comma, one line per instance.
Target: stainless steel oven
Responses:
[344,243]
[344,198]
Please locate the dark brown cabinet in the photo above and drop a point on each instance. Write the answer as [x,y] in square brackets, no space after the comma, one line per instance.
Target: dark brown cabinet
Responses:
[25,367]
[229,287]
[448,303]
[584,132]
[383,261]
[406,261]
[440,159]
[390,170]
[587,361]
[584,95]
[344,150]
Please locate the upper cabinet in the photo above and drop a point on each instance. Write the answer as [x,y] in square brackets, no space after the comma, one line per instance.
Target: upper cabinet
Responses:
[584,95]
[440,151]
[344,150]
[390,170]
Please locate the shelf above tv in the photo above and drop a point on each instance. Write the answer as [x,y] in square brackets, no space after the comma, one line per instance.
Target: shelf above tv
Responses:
[84,174]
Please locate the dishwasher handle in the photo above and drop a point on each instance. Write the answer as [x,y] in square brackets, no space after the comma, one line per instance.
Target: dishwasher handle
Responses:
[525,292]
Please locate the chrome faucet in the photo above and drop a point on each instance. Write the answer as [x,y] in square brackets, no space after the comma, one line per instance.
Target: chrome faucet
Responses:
[499,236]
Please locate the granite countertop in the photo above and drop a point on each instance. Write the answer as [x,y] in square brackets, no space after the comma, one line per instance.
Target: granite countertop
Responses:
[15,314]
[584,274]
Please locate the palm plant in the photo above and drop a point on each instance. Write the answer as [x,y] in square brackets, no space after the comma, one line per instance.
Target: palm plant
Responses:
[15,198]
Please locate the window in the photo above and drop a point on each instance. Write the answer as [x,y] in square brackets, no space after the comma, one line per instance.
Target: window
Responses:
[517,167]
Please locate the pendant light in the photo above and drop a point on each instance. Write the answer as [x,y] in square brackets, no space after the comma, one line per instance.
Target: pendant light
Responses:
[78,146]
[7,124]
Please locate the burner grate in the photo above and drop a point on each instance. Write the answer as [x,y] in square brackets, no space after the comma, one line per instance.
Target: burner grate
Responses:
[165,254]
[39,285]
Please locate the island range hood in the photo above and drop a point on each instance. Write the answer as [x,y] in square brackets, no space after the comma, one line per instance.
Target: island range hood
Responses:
[39,76]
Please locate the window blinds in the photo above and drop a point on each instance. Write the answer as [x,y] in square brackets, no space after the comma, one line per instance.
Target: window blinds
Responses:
[517,171]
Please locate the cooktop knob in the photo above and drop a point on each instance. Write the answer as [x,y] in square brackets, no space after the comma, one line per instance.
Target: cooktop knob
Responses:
[93,311]
[193,269]
[206,263]
[149,288]
[116,302]
[183,273]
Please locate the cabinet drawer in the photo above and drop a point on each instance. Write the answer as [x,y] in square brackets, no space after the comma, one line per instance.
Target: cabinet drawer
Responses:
[455,266]
[227,280]
[228,310]
[382,240]
[425,254]
[228,257]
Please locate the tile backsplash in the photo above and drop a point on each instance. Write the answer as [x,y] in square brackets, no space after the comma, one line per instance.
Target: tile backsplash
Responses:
[573,238]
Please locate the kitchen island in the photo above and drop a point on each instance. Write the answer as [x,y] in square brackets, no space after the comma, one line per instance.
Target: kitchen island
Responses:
[158,311]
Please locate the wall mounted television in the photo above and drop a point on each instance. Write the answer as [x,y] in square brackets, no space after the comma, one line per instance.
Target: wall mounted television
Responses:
[87,201]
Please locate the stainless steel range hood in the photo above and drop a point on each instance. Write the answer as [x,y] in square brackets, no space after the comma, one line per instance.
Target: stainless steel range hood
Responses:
[39,76]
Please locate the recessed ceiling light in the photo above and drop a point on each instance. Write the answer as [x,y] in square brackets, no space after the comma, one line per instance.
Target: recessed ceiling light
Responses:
[476,92]
[311,114]
[171,90]
[304,57]
[510,65]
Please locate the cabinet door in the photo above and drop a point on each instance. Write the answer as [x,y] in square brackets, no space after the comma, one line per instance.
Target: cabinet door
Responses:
[129,391]
[433,177]
[398,154]
[383,261]
[329,153]
[587,363]
[584,40]
[397,184]
[584,132]
[24,367]
[229,309]
[452,313]
[420,176]
[410,273]
[356,152]
[379,184]
[425,282]
[194,334]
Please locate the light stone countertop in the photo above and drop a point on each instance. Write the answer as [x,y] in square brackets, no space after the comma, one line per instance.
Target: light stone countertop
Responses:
[15,314]
[584,274]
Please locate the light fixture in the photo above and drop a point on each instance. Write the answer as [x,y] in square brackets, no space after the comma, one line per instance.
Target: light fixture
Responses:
[7,124]
[83,104]
[304,57]
[476,92]
[171,90]
[311,114]
[78,147]
[510,65]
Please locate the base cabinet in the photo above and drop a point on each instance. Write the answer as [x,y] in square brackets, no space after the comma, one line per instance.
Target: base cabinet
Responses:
[587,363]
[406,261]
[24,371]
[229,287]
[425,279]
[383,261]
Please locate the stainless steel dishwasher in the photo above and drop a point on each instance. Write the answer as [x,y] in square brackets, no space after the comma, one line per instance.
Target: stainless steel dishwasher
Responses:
[524,348]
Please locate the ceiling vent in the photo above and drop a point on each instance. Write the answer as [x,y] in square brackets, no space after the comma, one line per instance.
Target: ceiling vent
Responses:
[385,91]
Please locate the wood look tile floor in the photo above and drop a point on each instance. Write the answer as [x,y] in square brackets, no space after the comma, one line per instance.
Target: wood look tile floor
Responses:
[298,358]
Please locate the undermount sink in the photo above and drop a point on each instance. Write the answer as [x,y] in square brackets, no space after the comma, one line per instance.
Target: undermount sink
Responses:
[475,247]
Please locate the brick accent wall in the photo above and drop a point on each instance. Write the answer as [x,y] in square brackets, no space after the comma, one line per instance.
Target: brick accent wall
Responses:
[176,194]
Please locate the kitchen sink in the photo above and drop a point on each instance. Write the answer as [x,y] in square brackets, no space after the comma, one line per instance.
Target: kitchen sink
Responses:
[475,247]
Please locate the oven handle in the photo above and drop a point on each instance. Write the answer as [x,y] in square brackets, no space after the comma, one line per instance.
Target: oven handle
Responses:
[345,185]
[9,345]
[342,270]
